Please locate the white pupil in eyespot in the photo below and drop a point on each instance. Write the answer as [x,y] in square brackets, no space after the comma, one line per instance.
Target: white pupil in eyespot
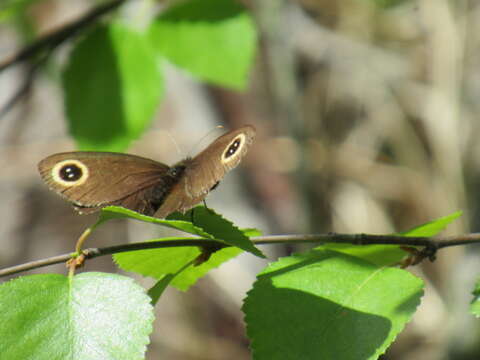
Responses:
[70,172]
[232,149]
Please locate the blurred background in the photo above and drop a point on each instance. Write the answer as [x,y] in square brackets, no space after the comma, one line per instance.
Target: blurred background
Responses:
[366,113]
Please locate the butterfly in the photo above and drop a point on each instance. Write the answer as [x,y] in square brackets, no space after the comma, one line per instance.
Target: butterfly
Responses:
[93,180]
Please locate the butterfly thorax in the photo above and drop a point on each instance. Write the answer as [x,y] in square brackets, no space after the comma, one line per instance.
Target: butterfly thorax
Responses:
[159,193]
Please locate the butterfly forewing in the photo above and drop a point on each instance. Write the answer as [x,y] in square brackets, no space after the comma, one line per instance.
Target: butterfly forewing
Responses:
[210,166]
[206,169]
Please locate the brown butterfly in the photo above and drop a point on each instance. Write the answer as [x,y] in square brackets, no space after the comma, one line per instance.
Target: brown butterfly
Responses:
[92,180]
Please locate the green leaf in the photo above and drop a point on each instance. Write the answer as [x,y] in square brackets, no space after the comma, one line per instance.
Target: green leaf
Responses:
[386,4]
[157,290]
[92,316]
[218,227]
[112,88]
[117,212]
[328,305]
[179,262]
[381,255]
[251,232]
[14,9]
[390,254]
[433,227]
[158,263]
[213,39]
[192,274]
[475,304]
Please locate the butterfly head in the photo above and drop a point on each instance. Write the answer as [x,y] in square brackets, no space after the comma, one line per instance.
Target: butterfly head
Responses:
[177,170]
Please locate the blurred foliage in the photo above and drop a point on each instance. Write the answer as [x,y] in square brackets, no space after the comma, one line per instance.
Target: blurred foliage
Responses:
[112,88]
[213,39]
[388,3]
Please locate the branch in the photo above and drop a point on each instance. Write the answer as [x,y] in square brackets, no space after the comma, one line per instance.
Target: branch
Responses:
[23,90]
[429,243]
[47,44]
[437,242]
[54,39]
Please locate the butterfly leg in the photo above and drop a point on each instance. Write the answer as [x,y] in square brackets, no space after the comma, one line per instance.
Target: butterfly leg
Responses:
[215,186]
[192,217]
[206,207]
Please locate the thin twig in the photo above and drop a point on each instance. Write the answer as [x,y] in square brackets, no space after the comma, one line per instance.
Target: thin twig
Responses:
[24,88]
[55,38]
[91,253]
[35,264]
[435,243]
[47,44]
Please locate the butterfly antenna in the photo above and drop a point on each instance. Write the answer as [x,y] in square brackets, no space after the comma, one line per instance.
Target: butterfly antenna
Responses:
[172,138]
[204,137]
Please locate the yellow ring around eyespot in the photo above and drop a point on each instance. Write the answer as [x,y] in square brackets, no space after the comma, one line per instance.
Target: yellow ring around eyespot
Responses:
[241,138]
[59,180]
